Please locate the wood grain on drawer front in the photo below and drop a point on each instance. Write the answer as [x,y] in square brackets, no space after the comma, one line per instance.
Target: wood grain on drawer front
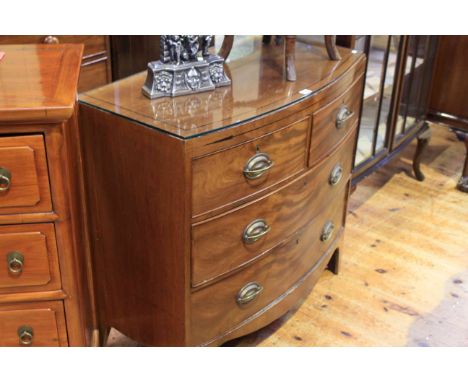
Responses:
[46,319]
[215,309]
[24,158]
[219,179]
[217,244]
[325,133]
[35,244]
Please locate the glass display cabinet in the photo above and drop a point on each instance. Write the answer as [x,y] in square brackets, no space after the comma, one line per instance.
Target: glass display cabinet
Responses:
[395,98]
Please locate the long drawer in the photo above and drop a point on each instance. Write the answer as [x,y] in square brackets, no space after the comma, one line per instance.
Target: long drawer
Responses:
[233,174]
[33,324]
[29,260]
[24,181]
[224,243]
[224,305]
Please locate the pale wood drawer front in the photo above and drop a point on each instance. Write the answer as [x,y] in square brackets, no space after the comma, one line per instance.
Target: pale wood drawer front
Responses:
[28,258]
[333,123]
[220,245]
[238,172]
[24,182]
[224,305]
[32,324]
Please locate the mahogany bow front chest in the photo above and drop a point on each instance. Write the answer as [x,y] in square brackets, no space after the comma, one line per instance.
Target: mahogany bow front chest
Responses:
[214,214]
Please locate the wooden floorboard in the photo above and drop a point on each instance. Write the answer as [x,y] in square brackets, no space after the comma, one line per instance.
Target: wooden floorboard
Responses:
[404,269]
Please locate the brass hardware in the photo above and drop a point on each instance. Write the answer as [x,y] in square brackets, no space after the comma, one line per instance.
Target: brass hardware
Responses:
[327,231]
[15,262]
[255,231]
[258,165]
[248,293]
[335,175]
[26,335]
[343,115]
[51,40]
[5,179]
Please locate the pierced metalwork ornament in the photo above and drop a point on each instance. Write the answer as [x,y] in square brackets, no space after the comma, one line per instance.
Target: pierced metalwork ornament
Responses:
[185,67]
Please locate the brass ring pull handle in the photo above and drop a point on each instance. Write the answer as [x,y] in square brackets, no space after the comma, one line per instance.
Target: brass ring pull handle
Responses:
[5,179]
[25,335]
[248,293]
[343,115]
[255,231]
[51,40]
[258,165]
[336,175]
[327,231]
[15,262]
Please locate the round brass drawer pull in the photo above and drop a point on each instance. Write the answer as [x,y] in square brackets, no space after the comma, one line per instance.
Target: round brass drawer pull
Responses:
[327,231]
[25,335]
[258,165]
[5,179]
[255,231]
[343,115]
[15,262]
[336,175]
[51,40]
[248,293]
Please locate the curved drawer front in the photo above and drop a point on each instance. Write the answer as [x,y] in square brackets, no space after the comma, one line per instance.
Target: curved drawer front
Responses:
[224,305]
[332,123]
[235,173]
[224,243]
[24,183]
[28,258]
[32,324]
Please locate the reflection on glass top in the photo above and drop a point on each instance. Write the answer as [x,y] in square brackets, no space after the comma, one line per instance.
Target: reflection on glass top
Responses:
[258,87]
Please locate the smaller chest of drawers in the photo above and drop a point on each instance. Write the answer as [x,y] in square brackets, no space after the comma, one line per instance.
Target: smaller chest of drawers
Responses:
[96,60]
[215,213]
[44,293]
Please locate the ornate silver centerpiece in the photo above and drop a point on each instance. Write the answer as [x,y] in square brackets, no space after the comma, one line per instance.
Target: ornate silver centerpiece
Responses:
[185,67]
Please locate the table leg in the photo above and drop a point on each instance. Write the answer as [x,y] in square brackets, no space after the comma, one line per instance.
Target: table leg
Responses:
[330,44]
[290,62]
[226,47]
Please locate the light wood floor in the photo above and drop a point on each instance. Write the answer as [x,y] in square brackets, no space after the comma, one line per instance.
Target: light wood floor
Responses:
[404,269]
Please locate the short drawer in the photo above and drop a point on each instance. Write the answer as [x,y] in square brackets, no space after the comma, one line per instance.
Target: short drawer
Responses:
[33,324]
[226,304]
[224,243]
[24,182]
[332,123]
[93,74]
[238,172]
[28,258]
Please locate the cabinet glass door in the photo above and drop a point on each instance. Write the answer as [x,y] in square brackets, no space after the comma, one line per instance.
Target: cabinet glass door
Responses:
[382,56]
[415,83]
